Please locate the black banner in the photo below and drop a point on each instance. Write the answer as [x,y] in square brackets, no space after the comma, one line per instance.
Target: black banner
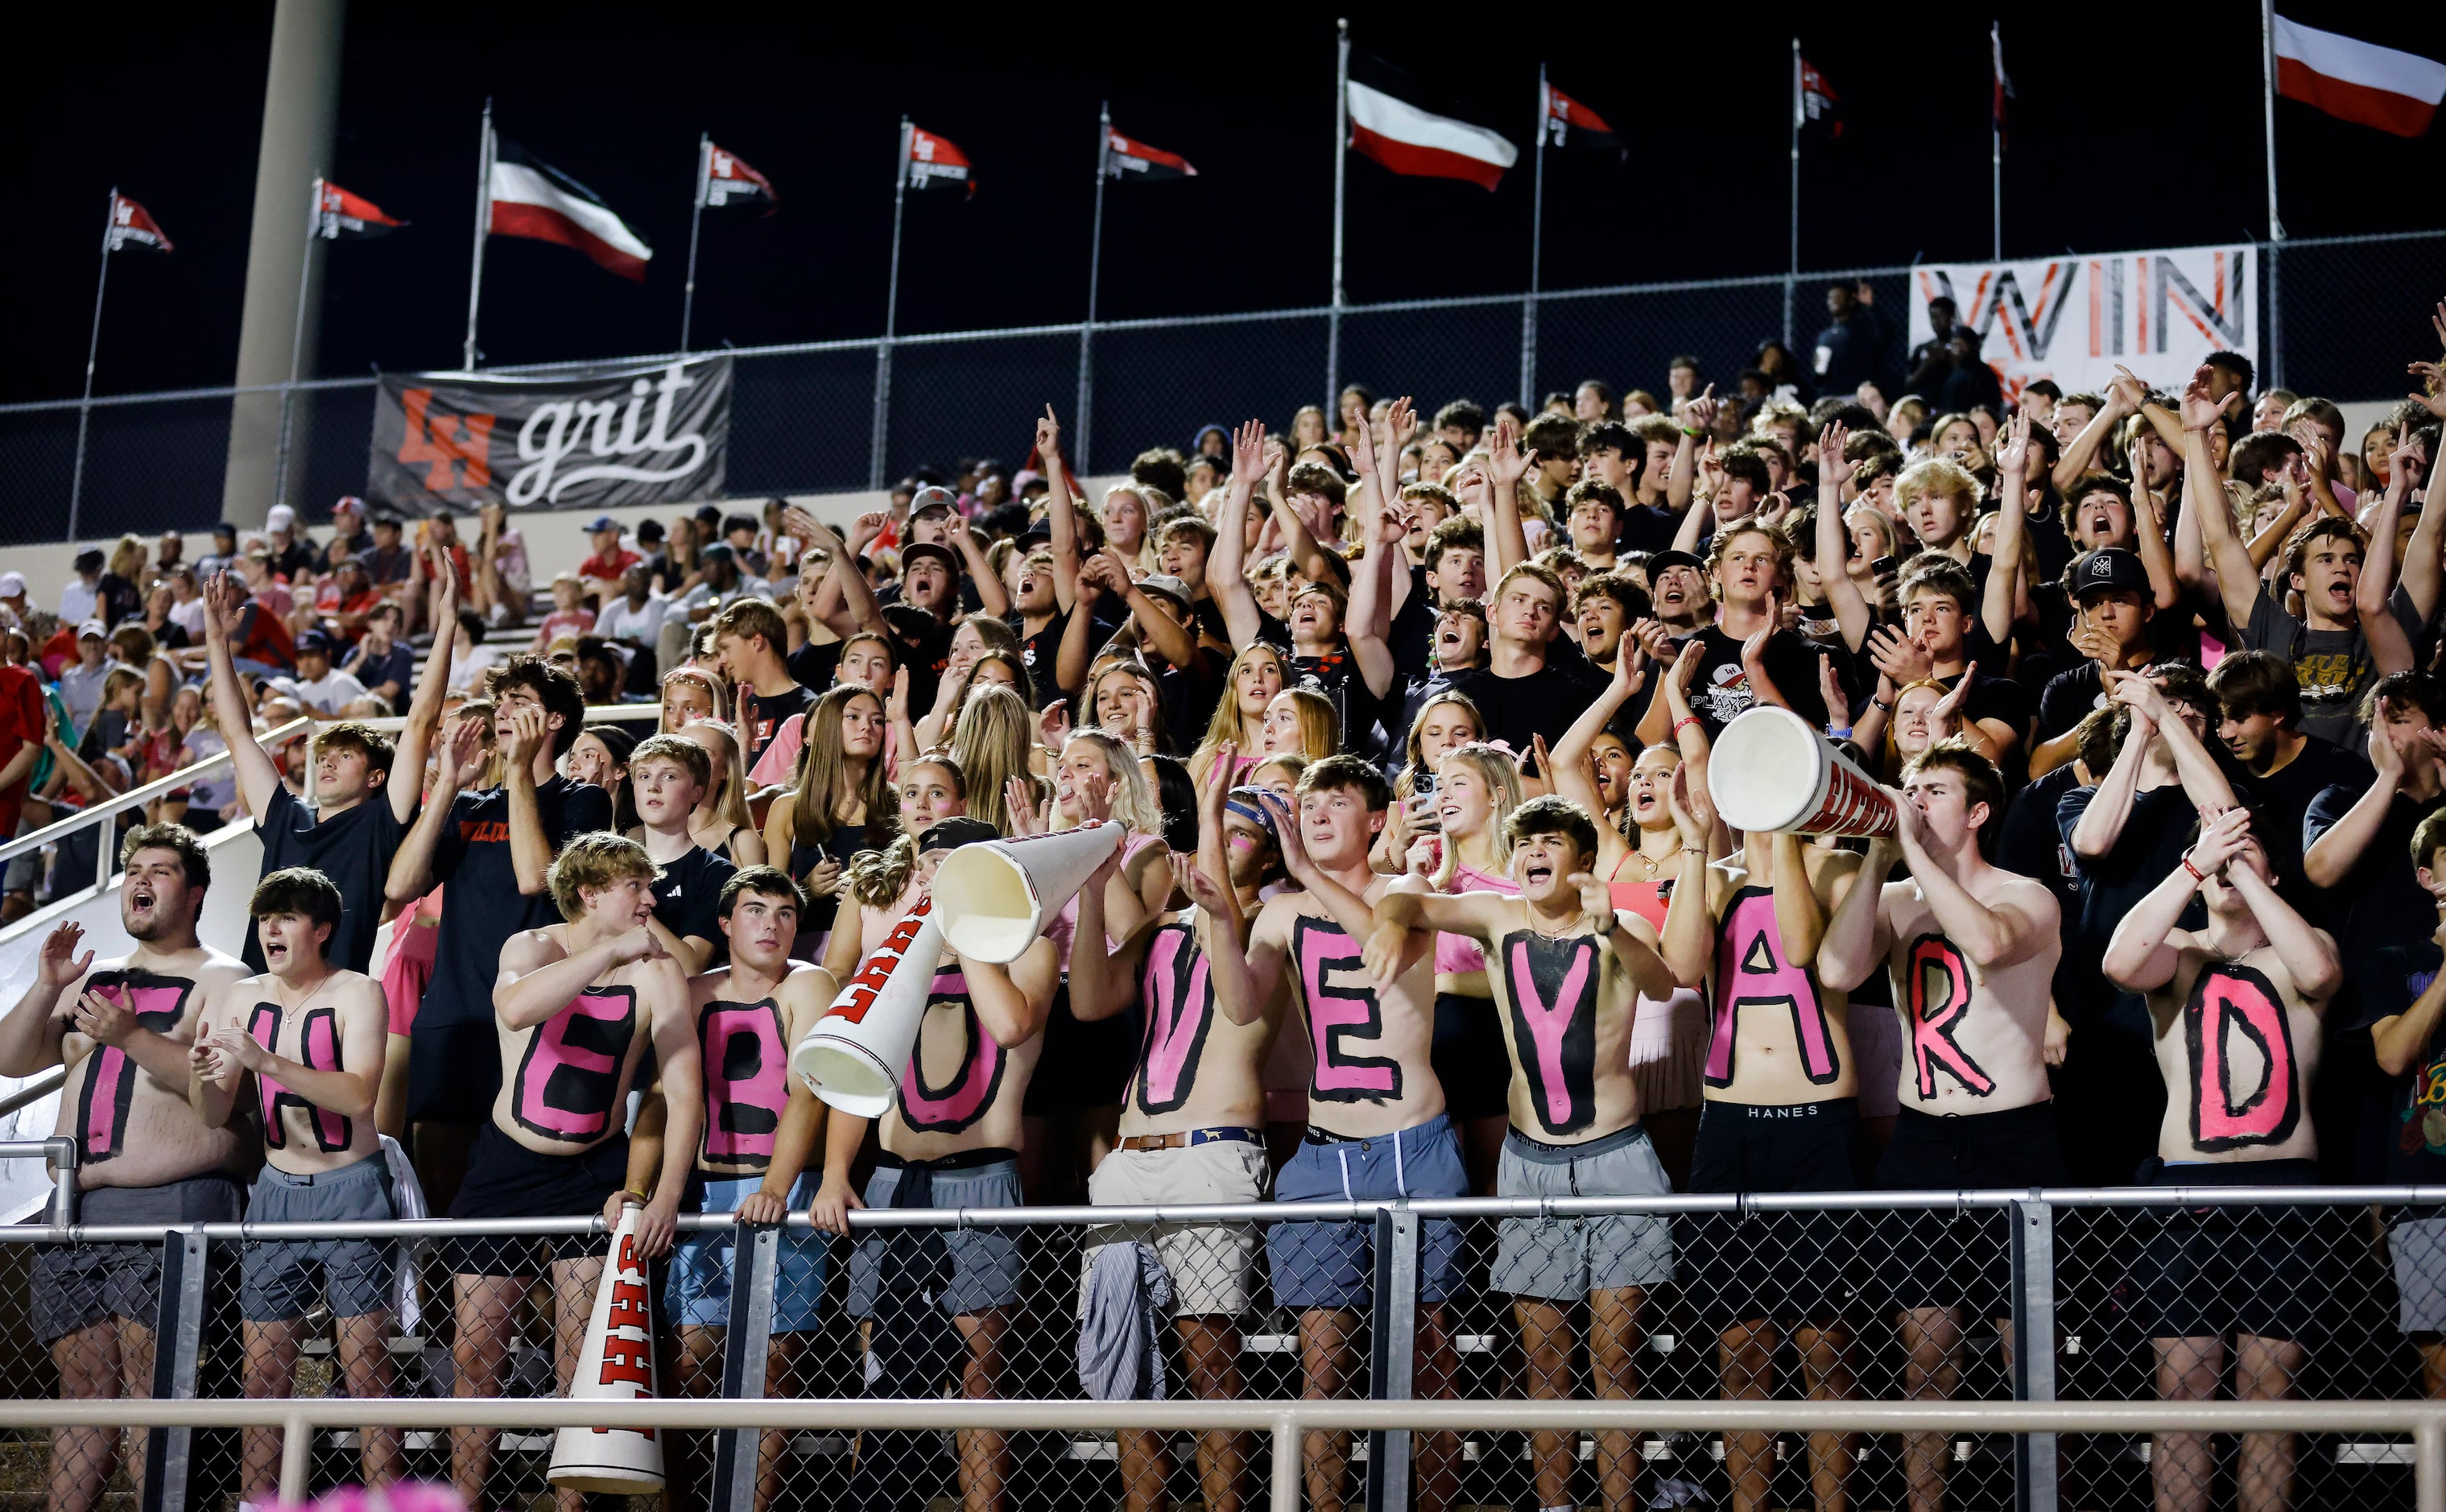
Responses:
[588,438]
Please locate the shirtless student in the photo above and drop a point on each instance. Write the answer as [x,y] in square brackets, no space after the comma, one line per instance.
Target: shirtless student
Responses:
[576,1007]
[309,1038]
[1377,1125]
[1567,972]
[1972,949]
[121,1028]
[1192,1116]
[2236,1008]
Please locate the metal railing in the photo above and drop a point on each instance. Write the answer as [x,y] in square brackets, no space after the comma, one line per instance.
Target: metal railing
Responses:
[2066,1270]
[1155,381]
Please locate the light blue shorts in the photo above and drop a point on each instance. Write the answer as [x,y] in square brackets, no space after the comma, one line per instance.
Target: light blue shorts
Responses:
[696,1287]
[1331,1264]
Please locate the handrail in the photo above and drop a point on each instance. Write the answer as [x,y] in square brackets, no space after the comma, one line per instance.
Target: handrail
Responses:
[1286,1421]
[42,1086]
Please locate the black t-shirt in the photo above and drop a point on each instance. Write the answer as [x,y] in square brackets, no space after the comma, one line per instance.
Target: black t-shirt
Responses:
[1189,694]
[1040,651]
[1545,702]
[353,848]
[2002,700]
[925,654]
[1336,674]
[2152,845]
[816,666]
[1649,529]
[1721,692]
[688,899]
[481,906]
[2378,903]
[1412,632]
[762,715]
[2069,698]
[2416,1152]
[2287,793]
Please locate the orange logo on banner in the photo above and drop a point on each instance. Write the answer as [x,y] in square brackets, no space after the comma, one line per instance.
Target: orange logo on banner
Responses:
[467,445]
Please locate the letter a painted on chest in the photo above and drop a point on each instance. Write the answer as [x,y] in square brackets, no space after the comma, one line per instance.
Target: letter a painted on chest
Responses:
[1762,978]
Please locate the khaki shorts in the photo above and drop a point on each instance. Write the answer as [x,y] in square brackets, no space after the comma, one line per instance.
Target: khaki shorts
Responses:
[1212,1265]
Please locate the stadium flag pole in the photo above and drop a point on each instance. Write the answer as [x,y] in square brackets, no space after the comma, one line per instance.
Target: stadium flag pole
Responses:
[2273,358]
[1536,255]
[92,350]
[1996,143]
[1095,276]
[484,225]
[1792,272]
[1341,162]
[696,218]
[891,317]
[297,346]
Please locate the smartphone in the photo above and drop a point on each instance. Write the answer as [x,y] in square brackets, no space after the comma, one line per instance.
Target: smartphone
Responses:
[1883,566]
[1422,782]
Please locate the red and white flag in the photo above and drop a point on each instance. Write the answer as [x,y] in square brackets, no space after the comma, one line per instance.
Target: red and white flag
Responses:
[2004,80]
[132,223]
[729,178]
[1819,104]
[934,164]
[531,198]
[2355,81]
[1420,143]
[338,213]
[1125,159]
[1570,123]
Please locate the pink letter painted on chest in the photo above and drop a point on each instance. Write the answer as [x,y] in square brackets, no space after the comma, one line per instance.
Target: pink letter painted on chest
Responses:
[746,1082]
[949,1108]
[1180,1011]
[570,1076]
[318,1049]
[2229,1001]
[110,1076]
[1342,1009]
[1752,972]
[1548,1025]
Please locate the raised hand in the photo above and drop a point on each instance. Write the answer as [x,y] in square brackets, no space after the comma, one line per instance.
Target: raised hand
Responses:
[1699,413]
[1834,469]
[60,964]
[864,530]
[224,605]
[2431,395]
[1596,899]
[1829,689]
[2126,393]
[527,735]
[2013,458]
[1201,888]
[1904,660]
[1287,832]
[1693,815]
[2221,839]
[896,708]
[461,754]
[1053,725]
[2199,410]
[1505,460]
[1049,440]
[103,1020]
[1946,717]
[1019,795]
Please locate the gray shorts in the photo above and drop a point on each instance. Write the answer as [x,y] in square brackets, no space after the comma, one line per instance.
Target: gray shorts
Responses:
[985,1261]
[76,1286]
[2418,1247]
[1563,1260]
[279,1280]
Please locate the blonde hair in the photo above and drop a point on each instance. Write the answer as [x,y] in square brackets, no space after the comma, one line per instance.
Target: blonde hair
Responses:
[875,879]
[596,859]
[702,678]
[1459,700]
[1320,726]
[1134,802]
[729,787]
[1939,476]
[1495,767]
[1884,522]
[1091,715]
[1229,723]
[990,743]
[824,779]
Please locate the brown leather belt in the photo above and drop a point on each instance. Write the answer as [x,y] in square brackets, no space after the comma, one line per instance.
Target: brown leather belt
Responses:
[1185,1137]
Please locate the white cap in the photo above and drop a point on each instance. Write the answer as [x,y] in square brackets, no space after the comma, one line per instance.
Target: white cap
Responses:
[281,517]
[12,585]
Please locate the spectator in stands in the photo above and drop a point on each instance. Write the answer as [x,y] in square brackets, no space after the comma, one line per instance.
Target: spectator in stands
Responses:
[386,561]
[2406,997]
[82,596]
[292,556]
[383,660]
[1852,350]
[349,537]
[80,683]
[120,1028]
[303,1042]
[748,642]
[569,616]
[325,692]
[603,571]
[223,556]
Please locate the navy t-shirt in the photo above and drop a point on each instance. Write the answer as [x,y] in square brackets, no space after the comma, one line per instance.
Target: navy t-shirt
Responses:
[481,906]
[353,848]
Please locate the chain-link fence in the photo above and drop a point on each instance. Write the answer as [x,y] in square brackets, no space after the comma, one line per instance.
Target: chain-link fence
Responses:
[2343,316]
[2133,1296]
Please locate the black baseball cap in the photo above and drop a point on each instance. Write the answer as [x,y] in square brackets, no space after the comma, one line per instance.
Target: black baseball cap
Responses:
[1673,558]
[950,834]
[2107,568]
[930,548]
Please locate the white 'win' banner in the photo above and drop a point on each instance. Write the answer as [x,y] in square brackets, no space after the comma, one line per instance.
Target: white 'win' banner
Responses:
[2076,319]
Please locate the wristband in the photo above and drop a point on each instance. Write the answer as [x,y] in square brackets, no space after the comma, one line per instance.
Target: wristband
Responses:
[1832,733]
[1692,431]
[1881,706]
[631,1191]
[2197,875]
[1679,724]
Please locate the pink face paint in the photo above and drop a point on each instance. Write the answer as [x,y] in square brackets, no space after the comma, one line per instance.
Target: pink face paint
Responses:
[1939,983]
[1752,972]
[1552,985]
[963,1100]
[570,1077]
[1341,1011]
[746,1084]
[158,1003]
[1179,1000]
[318,1049]
[2227,1001]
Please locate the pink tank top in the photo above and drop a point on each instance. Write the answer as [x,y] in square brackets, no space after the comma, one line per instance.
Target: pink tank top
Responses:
[1066,924]
[1458,953]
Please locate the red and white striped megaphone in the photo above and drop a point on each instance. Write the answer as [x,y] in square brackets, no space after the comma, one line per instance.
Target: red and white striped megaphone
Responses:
[1770,771]
[618,1365]
[996,896]
[853,1055]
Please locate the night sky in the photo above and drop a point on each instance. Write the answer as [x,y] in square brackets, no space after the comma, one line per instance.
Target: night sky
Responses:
[2141,130]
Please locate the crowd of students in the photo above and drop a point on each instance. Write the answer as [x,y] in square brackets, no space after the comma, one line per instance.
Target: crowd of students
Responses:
[1420,892]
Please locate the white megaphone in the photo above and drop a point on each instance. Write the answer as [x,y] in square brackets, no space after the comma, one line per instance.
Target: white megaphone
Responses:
[618,1365]
[1770,771]
[996,898]
[853,1055]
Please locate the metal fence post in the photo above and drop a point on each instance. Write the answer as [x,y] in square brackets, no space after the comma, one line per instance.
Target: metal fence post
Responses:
[2034,1349]
[64,1153]
[754,1273]
[1391,1353]
[178,1354]
[882,412]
